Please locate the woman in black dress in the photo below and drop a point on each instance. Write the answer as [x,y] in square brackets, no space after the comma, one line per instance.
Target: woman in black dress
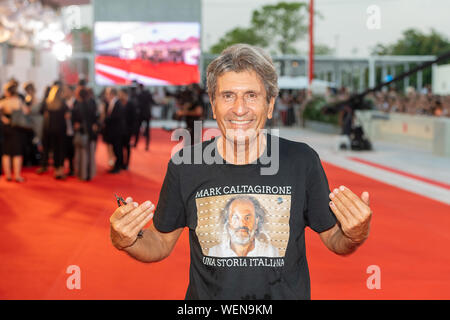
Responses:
[57,112]
[12,147]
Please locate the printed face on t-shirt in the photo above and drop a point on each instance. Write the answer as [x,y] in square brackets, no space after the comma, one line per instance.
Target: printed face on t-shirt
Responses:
[238,225]
[242,222]
[240,107]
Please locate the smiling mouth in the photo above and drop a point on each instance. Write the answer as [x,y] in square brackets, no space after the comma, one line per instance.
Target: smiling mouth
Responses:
[241,122]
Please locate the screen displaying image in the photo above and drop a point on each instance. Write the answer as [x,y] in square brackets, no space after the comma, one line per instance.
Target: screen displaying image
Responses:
[150,53]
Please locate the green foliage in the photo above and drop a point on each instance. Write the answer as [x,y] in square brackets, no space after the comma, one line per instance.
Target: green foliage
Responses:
[281,24]
[313,111]
[323,50]
[414,42]
[81,39]
[238,35]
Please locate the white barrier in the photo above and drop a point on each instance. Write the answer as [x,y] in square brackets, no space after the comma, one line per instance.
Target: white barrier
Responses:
[18,63]
[427,133]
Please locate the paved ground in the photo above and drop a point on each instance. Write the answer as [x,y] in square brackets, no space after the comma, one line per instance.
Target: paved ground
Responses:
[398,165]
[404,167]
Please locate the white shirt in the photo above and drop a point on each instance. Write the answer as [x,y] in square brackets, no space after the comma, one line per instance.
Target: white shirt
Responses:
[261,249]
[69,128]
[111,105]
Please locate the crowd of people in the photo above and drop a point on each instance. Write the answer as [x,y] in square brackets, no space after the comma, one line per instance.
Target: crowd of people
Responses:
[412,102]
[62,129]
[287,107]
[47,131]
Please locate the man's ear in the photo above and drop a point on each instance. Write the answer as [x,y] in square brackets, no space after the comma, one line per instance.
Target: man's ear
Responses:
[271,106]
[213,108]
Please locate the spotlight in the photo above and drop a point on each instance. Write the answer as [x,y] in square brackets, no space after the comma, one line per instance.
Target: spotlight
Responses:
[62,51]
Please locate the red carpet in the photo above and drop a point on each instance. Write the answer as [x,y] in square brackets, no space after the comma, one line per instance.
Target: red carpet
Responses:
[48,225]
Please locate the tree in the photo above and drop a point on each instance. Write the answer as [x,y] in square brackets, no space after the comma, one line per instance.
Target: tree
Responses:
[323,50]
[278,26]
[414,42]
[282,24]
[238,35]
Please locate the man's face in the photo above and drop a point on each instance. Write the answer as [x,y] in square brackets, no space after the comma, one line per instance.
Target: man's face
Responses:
[240,107]
[67,92]
[242,221]
[108,94]
[123,96]
[111,94]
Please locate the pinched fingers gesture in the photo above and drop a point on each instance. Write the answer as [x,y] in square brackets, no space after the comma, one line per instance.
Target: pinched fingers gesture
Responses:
[128,220]
[352,212]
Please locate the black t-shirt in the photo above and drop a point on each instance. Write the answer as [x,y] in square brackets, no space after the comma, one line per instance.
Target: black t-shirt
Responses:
[145,100]
[56,120]
[130,117]
[228,206]
[85,113]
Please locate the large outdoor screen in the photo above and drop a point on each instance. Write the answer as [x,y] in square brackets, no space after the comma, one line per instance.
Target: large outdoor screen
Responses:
[149,53]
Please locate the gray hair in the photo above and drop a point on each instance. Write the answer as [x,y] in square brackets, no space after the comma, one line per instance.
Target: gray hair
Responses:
[260,213]
[243,57]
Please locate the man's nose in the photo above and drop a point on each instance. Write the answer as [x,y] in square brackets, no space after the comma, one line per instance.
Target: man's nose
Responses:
[243,222]
[240,107]
[239,223]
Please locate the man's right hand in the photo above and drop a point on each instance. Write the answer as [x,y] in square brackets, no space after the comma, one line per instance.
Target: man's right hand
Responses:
[5,120]
[128,220]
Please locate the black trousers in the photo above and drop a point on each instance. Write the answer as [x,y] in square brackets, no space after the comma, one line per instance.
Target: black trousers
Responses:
[147,130]
[69,153]
[57,141]
[117,144]
[45,148]
[126,145]
[27,148]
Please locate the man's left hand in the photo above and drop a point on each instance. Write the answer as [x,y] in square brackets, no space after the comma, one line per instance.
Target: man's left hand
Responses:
[352,212]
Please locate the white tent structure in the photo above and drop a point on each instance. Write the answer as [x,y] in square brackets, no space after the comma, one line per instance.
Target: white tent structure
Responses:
[441,77]
[318,86]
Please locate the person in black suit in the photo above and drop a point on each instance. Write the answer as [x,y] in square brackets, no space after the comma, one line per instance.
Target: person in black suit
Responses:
[115,126]
[130,119]
[145,102]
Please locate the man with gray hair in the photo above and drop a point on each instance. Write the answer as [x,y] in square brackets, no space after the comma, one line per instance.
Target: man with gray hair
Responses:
[242,85]
[243,220]
[115,126]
